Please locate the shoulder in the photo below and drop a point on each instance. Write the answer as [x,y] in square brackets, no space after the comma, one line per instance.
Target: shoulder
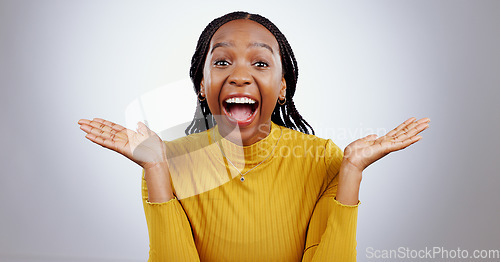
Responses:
[311,150]
[290,136]
[189,143]
[311,145]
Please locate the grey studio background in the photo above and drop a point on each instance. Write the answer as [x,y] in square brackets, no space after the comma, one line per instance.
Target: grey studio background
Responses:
[364,67]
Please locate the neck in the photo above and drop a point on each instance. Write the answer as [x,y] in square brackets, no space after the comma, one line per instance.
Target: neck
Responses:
[245,136]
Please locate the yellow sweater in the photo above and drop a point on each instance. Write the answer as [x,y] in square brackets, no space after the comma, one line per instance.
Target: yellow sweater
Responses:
[283,210]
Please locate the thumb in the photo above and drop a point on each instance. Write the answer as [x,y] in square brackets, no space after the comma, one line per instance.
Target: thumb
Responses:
[142,128]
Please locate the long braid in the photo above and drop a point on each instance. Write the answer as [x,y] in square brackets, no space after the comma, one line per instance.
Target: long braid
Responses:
[286,115]
[202,119]
[288,110]
[289,107]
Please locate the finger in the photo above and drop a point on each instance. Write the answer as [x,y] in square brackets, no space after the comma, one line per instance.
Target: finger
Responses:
[143,129]
[96,128]
[398,145]
[109,144]
[97,132]
[83,121]
[401,126]
[133,138]
[411,126]
[412,132]
[110,124]
[110,127]
[104,131]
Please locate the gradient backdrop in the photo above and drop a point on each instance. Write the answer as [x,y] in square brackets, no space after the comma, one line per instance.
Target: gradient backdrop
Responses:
[365,67]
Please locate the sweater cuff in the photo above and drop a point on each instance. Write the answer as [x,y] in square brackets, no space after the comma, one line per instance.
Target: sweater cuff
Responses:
[169,202]
[170,234]
[348,206]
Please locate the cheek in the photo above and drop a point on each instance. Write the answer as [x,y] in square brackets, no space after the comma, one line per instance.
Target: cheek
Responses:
[270,94]
[212,91]
[274,85]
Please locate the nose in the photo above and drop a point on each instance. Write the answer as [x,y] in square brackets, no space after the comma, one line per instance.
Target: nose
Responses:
[240,76]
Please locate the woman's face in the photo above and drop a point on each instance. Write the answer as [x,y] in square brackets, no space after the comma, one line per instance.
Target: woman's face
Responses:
[242,80]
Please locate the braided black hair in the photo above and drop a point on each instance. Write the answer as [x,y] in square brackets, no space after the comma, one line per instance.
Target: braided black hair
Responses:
[284,115]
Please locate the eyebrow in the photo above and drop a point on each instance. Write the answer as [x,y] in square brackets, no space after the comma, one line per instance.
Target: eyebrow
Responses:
[261,45]
[219,45]
[229,44]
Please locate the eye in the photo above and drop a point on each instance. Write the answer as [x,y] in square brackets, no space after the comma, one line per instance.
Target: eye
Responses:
[221,63]
[261,64]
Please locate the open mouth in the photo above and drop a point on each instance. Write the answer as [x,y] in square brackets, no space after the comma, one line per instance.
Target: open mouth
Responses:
[240,109]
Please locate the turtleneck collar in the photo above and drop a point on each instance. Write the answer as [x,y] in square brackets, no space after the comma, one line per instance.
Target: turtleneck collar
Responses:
[250,155]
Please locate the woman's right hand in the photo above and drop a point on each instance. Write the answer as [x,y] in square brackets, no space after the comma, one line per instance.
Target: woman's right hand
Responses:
[144,147]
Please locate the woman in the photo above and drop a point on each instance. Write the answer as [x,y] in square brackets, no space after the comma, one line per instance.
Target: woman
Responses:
[245,185]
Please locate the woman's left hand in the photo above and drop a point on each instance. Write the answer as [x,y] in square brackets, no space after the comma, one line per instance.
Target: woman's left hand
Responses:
[364,151]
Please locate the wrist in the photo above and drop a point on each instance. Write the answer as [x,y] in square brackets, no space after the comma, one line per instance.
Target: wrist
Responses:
[350,171]
[348,186]
[157,177]
[155,166]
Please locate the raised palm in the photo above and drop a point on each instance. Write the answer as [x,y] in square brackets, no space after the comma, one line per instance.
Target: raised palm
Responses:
[364,151]
[143,147]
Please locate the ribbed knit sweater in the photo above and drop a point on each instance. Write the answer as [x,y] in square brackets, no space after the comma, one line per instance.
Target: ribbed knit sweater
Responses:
[283,210]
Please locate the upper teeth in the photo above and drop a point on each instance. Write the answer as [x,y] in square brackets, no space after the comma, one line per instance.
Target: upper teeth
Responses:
[240,100]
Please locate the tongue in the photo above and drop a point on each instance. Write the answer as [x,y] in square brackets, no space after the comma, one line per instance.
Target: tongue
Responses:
[241,112]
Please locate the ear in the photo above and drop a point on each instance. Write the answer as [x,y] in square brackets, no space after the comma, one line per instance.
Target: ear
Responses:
[202,86]
[282,89]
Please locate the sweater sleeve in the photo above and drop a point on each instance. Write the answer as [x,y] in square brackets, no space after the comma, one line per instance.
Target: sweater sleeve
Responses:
[331,235]
[170,233]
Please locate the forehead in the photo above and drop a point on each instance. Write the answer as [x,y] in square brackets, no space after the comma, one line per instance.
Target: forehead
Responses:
[244,31]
